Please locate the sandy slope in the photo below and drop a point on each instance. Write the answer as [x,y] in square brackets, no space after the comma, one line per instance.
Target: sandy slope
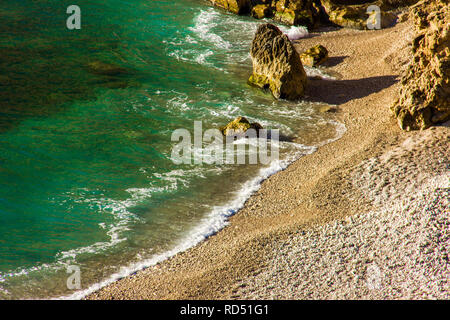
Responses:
[260,254]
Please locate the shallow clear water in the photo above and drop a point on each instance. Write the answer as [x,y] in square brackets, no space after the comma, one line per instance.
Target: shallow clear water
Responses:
[86,177]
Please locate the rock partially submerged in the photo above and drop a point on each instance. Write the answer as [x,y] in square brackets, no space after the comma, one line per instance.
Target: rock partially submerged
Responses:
[105,69]
[328,109]
[276,64]
[425,92]
[239,126]
[314,56]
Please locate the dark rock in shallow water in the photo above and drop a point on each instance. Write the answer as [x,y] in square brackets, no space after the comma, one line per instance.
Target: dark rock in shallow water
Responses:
[105,69]
[239,126]
[4,80]
[116,84]
[328,109]
[276,64]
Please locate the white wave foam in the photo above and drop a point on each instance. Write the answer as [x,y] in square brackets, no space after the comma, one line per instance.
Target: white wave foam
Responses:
[215,30]
[204,23]
[201,58]
[122,220]
[295,32]
[22,272]
[4,291]
[203,37]
[316,72]
[193,56]
[228,111]
[340,130]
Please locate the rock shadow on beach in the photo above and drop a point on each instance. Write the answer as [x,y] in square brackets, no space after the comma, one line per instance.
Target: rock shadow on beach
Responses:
[342,91]
[334,61]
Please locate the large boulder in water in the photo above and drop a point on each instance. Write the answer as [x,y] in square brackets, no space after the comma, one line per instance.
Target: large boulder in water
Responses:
[276,64]
[425,92]
[105,69]
[239,126]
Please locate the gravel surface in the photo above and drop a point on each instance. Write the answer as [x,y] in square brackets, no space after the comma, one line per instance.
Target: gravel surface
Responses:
[398,253]
[399,250]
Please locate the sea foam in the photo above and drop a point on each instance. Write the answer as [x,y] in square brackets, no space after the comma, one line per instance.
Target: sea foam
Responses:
[296,32]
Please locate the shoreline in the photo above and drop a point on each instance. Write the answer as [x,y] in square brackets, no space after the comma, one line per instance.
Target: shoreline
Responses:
[214,222]
[311,192]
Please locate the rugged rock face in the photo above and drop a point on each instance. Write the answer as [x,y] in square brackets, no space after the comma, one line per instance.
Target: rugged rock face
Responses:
[292,12]
[239,126]
[425,92]
[262,11]
[297,12]
[235,6]
[354,14]
[276,64]
[314,56]
[345,13]
[398,3]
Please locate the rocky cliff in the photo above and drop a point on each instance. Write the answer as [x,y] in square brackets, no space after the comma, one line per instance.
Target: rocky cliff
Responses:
[293,12]
[345,13]
[425,92]
[235,6]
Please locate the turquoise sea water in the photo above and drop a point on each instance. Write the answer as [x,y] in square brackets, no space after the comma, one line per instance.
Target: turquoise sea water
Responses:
[86,177]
